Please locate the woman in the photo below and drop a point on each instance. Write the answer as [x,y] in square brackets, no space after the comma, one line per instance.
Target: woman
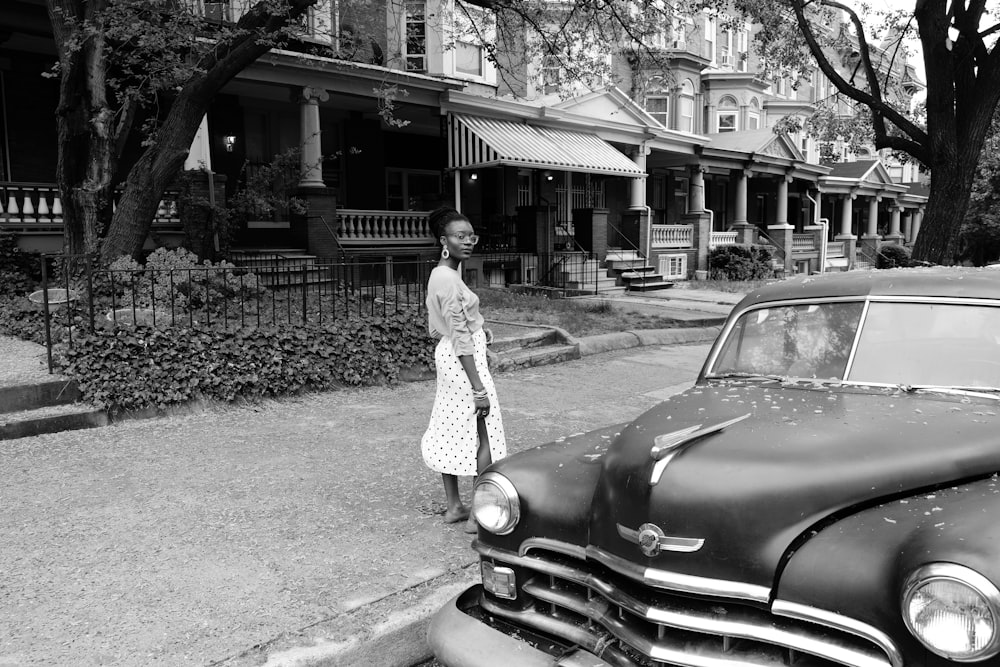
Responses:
[465,433]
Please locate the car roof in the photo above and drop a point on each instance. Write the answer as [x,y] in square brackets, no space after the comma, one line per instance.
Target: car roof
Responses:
[936,281]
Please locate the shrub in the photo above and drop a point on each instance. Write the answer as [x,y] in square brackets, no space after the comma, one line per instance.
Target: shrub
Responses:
[740,262]
[892,256]
[19,271]
[130,368]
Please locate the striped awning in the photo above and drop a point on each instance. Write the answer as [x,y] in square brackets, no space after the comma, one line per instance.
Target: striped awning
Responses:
[484,142]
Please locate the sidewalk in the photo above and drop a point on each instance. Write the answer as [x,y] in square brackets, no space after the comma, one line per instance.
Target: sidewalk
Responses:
[305,531]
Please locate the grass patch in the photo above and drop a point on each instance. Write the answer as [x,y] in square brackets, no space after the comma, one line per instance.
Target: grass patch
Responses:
[741,286]
[578,317]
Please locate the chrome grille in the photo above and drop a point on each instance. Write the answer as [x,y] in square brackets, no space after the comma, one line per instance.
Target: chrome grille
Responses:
[625,623]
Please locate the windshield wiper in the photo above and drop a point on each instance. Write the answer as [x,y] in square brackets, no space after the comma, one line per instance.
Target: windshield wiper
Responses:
[958,390]
[746,376]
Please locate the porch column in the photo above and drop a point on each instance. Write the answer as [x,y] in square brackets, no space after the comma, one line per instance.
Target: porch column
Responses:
[311,164]
[918,217]
[782,212]
[846,216]
[637,192]
[742,178]
[199,156]
[908,227]
[894,217]
[700,221]
[696,190]
[872,230]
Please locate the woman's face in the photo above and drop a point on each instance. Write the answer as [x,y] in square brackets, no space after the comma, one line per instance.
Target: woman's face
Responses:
[458,239]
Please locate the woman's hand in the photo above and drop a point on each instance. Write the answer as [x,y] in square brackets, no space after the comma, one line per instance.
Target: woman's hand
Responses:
[482,406]
[489,336]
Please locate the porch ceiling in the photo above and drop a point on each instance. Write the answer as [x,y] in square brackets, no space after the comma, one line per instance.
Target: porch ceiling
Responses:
[484,142]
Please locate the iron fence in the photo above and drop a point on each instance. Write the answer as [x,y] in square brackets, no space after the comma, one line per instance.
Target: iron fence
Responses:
[78,295]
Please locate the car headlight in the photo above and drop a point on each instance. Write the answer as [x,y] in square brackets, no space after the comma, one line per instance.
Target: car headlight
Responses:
[953,611]
[495,503]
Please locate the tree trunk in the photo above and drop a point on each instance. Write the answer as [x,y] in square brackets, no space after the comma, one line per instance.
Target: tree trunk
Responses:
[85,169]
[937,241]
[149,178]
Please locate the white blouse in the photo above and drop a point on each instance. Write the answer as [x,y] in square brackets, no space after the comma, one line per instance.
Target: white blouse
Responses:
[452,309]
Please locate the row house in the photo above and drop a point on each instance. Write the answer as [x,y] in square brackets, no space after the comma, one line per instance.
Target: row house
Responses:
[397,112]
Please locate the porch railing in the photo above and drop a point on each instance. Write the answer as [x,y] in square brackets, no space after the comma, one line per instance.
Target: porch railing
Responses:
[803,242]
[38,207]
[835,249]
[367,227]
[673,236]
[721,238]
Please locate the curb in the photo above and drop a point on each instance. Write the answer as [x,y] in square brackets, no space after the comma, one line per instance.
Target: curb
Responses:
[397,640]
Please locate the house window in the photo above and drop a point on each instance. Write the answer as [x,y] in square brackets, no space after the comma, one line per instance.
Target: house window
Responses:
[469,58]
[673,266]
[753,115]
[743,50]
[685,107]
[726,115]
[411,189]
[710,32]
[416,36]
[726,49]
[551,69]
[525,188]
[658,107]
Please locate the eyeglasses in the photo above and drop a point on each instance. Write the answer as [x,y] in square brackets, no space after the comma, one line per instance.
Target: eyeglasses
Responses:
[462,238]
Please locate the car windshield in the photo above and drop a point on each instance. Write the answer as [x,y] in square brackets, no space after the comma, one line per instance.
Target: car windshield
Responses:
[909,344]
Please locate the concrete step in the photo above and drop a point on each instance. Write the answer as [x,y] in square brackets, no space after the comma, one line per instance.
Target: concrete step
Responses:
[528,341]
[602,282]
[50,419]
[619,254]
[647,274]
[536,356]
[649,286]
[637,264]
[29,396]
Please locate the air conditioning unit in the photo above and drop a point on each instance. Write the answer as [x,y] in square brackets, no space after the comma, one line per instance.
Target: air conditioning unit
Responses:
[726,61]
[680,44]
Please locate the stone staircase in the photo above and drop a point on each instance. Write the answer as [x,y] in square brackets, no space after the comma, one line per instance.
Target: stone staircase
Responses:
[523,346]
[621,271]
[281,267]
[45,406]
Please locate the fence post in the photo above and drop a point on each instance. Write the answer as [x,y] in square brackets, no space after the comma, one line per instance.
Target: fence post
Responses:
[45,305]
[305,287]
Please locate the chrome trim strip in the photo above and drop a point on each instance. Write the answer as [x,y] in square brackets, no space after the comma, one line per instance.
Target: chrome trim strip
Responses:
[683,583]
[674,443]
[862,320]
[665,542]
[548,544]
[720,625]
[847,624]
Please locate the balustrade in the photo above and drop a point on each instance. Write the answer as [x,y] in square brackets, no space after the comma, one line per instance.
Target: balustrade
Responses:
[38,207]
[803,242]
[361,227]
[717,239]
[835,249]
[672,236]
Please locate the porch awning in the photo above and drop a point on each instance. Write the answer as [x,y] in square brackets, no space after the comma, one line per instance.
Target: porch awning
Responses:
[484,142]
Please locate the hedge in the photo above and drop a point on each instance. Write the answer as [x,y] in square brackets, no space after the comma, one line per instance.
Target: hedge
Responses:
[130,368]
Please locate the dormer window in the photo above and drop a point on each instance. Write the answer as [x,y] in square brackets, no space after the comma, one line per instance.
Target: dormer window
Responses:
[469,58]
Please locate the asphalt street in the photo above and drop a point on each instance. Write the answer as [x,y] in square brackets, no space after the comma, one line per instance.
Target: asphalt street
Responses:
[292,532]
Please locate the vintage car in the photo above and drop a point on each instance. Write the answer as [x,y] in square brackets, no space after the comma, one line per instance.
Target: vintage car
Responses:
[825,494]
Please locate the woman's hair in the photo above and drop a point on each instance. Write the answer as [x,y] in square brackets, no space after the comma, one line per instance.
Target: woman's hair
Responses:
[440,218]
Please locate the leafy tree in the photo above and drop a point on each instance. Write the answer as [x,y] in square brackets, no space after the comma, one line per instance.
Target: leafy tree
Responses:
[962,68]
[141,71]
[980,239]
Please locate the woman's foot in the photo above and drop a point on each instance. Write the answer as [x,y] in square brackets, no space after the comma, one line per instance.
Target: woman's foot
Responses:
[456,514]
[471,526]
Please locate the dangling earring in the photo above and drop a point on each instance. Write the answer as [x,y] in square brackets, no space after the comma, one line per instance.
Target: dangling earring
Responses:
[444,252]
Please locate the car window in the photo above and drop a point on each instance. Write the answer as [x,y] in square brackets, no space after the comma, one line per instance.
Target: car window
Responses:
[799,341]
[948,345]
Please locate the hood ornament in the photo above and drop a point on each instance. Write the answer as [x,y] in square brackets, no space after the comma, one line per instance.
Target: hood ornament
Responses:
[652,540]
[669,445]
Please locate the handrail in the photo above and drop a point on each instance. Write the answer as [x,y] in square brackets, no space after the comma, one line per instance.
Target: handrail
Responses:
[552,267]
[642,256]
[333,235]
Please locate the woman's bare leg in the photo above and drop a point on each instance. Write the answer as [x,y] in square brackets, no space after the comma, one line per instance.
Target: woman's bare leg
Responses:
[483,459]
[455,511]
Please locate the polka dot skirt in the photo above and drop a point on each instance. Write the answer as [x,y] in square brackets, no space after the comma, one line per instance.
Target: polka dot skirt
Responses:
[450,443]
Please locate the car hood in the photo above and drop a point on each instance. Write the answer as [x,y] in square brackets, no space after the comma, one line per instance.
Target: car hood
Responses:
[802,456]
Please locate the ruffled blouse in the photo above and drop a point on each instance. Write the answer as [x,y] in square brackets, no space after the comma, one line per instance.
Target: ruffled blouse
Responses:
[452,309]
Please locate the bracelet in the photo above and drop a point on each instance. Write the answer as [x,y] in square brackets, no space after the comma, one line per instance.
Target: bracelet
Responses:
[476,395]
